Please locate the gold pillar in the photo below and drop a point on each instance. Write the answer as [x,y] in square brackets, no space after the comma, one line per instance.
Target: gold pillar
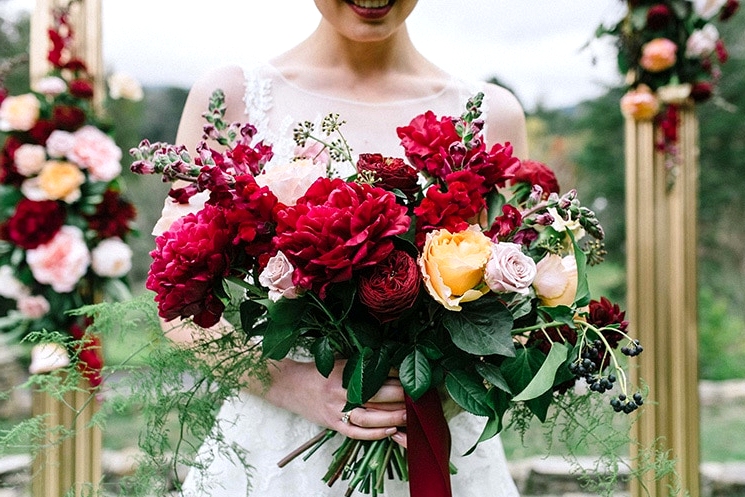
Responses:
[68,461]
[662,294]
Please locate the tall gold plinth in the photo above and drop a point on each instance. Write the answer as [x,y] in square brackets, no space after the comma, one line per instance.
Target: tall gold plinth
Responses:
[71,457]
[662,300]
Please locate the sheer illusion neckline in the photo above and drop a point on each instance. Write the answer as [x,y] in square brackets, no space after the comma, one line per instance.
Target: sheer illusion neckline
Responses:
[449,84]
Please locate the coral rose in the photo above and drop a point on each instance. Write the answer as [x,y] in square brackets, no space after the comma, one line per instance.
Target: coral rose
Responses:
[640,104]
[658,55]
[62,261]
[19,113]
[509,269]
[390,287]
[555,281]
[452,266]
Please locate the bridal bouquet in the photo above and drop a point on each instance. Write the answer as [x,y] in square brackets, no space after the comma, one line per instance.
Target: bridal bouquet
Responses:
[63,220]
[461,268]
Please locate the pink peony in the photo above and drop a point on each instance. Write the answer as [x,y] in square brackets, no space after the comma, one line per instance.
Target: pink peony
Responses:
[62,261]
[95,151]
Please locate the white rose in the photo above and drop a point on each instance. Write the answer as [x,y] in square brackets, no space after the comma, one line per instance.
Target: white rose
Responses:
[10,286]
[19,113]
[702,42]
[555,280]
[509,269]
[50,86]
[48,357]
[277,277]
[706,9]
[29,159]
[59,143]
[62,261]
[124,86]
[33,306]
[111,258]
[290,181]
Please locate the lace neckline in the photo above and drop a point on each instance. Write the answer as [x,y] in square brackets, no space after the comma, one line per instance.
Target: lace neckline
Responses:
[450,84]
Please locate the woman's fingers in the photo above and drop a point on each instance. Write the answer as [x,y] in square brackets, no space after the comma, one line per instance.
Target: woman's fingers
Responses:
[376,418]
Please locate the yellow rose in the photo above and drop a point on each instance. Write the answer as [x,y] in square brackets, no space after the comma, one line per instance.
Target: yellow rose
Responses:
[19,113]
[61,181]
[555,280]
[453,266]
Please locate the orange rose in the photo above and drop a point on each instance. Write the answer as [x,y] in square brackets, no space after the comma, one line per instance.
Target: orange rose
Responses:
[658,54]
[61,181]
[640,104]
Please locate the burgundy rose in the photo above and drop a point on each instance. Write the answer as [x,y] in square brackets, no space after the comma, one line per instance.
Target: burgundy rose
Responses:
[113,216]
[34,223]
[427,141]
[336,229]
[506,224]
[391,173]
[41,131]
[453,209]
[390,287]
[81,88]
[537,173]
[9,175]
[189,260]
[702,91]
[729,9]
[68,117]
[658,16]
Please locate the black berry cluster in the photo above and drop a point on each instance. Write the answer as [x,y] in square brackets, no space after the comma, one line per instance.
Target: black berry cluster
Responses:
[632,350]
[626,405]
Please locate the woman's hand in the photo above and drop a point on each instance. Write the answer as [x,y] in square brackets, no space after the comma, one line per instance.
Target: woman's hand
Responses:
[298,387]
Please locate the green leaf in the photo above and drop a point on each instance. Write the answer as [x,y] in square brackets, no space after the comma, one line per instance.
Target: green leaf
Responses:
[520,370]
[364,374]
[9,198]
[543,380]
[250,312]
[583,288]
[493,375]
[284,327]
[491,429]
[324,356]
[483,327]
[416,373]
[469,392]
[494,203]
[561,313]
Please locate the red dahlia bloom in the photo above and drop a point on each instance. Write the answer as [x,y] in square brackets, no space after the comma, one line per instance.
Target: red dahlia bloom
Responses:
[390,287]
[391,173]
[188,261]
[605,313]
[81,88]
[338,228]
[34,223]
[67,117]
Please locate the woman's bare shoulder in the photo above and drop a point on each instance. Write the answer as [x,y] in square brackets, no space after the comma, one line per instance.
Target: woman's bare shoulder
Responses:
[505,119]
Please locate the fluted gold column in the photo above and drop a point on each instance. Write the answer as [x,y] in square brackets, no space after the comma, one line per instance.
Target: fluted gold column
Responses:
[661,218]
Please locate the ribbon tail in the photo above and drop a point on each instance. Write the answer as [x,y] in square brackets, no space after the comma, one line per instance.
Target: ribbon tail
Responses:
[428,447]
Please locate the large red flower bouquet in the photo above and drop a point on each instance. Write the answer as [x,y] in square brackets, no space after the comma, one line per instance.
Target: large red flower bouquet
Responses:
[63,220]
[461,269]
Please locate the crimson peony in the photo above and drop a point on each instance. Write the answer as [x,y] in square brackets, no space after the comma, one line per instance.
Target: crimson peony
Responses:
[34,223]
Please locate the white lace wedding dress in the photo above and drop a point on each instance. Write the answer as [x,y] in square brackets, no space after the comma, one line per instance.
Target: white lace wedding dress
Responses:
[252,431]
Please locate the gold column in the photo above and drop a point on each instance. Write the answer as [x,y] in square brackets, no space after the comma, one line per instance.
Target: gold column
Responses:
[661,236]
[72,456]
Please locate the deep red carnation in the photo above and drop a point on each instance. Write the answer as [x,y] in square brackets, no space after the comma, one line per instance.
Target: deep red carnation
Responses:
[34,223]
[113,216]
[81,88]
[505,225]
[338,228]
[89,354]
[68,117]
[390,287]
[453,209]
[658,16]
[391,174]
[537,173]
[41,131]
[189,260]
[427,141]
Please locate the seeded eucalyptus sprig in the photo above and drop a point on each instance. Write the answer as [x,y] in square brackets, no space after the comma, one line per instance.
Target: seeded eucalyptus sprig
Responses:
[338,148]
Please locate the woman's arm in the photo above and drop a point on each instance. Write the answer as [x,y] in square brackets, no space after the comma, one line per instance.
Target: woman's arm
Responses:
[506,120]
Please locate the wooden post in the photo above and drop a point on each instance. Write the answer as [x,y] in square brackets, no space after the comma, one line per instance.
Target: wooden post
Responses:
[68,462]
[662,294]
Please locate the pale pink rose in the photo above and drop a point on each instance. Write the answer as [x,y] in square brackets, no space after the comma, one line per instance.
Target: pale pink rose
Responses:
[48,357]
[10,286]
[509,269]
[702,42]
[277,277]
[124,86]
[111,258]
[95,151]
[33,306]
[658,55]
[706,9]
[19,113]
[50,86]
[640,104]
[555,280]
[29,159]
[290,181]
[62,261]
[60,143]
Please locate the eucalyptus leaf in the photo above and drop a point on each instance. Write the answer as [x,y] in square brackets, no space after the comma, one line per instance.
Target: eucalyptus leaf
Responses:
[482,327]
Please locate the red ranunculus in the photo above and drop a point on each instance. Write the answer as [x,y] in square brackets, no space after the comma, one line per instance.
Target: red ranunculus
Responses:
[506,224]
[537,173]
[81,88]
[391,173]
[34,223]
[68,117]
[390,287]
[188,261]
[113,216]
[336,229]
[453,209]
[427,140]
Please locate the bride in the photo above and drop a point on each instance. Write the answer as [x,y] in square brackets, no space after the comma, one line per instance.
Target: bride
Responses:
[360,63]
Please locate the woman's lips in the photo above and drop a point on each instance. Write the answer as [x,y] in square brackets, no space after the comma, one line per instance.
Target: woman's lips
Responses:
[371,9]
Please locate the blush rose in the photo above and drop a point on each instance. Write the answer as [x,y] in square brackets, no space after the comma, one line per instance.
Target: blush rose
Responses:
[555,280]
[62,261]
[509,269]
[277,277]
[19,113]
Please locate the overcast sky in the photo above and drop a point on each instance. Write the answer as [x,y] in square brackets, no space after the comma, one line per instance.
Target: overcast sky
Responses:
[533,46]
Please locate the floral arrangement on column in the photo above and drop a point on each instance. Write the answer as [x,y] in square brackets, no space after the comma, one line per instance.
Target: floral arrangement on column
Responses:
[671,53]
[64,222]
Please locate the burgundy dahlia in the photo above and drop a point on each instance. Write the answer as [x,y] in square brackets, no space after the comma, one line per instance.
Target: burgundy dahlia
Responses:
[391,173]
[390,287]
[113,216]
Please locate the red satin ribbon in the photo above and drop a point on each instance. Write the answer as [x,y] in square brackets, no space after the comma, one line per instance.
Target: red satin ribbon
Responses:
[428,447]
